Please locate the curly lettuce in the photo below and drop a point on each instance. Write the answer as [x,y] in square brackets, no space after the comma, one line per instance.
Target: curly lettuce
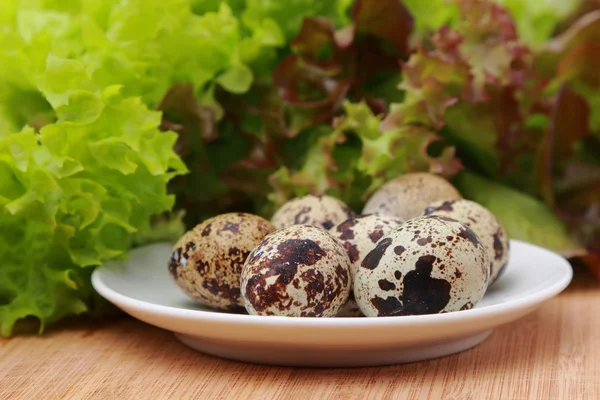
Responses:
[75,194]
[85,161]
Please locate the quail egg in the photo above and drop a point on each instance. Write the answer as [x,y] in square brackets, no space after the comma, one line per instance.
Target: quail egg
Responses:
[207,261]
[429,265]
[485,225]
[359,235]
[406,196]
[321,211]
[298,271]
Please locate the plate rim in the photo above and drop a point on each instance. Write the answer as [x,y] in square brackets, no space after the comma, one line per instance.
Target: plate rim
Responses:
[508,307]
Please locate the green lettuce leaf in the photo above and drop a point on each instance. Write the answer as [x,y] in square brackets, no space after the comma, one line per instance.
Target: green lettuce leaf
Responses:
[146,46]
[74,195]
[84,165]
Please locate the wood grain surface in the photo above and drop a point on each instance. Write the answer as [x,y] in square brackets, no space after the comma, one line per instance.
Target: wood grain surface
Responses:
[552,354]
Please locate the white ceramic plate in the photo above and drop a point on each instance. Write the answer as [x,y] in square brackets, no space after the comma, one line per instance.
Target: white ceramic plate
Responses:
[143,288]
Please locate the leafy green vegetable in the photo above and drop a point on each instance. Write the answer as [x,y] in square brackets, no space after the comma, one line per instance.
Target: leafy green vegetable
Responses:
[84,163]
[468,85]
[74,195]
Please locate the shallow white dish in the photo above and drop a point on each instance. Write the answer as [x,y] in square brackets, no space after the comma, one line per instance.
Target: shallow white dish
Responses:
[143,288]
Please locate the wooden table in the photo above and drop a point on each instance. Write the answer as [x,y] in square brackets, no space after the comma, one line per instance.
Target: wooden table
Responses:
[552,354]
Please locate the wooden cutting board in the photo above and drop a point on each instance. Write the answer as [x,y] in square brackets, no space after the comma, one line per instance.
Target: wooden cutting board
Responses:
[552,354]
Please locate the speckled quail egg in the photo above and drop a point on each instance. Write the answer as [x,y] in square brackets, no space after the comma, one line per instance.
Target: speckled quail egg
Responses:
[484,224]
[321,211]
[429,265]
[207,261]
[406,196]
[359,235]
[298,271]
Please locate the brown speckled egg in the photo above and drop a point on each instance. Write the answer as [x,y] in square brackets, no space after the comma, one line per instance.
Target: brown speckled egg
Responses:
[429,265]
[321,211]
[207,261]
[484,224]
[298,271]
[406,196]
[359,236]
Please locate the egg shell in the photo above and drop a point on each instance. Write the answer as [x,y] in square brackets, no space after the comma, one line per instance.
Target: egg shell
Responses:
[429,265]
[207,261]
[484,224]
[321,211]
[406,196]
[298,271]
[358,236]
